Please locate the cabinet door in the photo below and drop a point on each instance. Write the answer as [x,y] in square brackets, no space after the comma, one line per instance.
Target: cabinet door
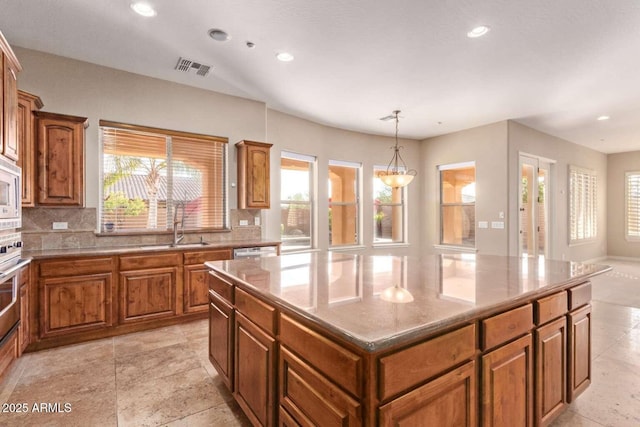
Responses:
[254,384]
[147,294]
[448,400]
[253,175]
[551,371]
[27,103]
[310,398]
[10,146]
[507,385]
[221,339]
[579,365]
[74,304]
[196,288]
[60,160]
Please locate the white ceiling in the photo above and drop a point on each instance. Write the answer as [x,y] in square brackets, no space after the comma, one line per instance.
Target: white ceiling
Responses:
[552,65]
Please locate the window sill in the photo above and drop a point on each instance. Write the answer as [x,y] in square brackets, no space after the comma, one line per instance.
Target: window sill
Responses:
[462,249]
[159,233]
[391,245]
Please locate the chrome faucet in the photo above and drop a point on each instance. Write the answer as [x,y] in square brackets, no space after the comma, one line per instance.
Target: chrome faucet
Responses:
[177,238]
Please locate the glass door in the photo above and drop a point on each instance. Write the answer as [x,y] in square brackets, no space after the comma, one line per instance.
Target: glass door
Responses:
[534,206]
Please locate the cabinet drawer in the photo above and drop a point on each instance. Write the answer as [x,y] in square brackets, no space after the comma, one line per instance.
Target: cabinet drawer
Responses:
[400,371]
[139,262]
[506,326]
[201,257]
[312,399]
[579,295]
[257,311]
[74,267]
[337,363]
[551,307]
[221,287]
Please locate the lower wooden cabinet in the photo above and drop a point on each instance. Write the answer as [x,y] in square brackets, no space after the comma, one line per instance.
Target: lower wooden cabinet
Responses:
[449,400]
[551,370]
[24,331]
[147,294]
[255,364]
[8,353]
[195,282]
[310,399]
[507,384]
[221,325]
[579,365]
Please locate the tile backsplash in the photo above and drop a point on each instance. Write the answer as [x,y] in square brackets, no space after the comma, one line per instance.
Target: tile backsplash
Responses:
[38,233]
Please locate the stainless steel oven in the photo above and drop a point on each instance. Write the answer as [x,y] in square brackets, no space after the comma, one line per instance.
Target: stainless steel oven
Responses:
[10,264]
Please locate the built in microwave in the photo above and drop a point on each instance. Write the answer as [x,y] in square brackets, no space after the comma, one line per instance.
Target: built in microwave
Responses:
[10,196]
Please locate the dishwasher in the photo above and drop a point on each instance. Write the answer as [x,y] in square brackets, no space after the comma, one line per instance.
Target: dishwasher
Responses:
[255,252]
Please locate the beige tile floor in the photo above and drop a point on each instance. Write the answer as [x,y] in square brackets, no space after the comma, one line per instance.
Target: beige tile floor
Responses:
[163,377]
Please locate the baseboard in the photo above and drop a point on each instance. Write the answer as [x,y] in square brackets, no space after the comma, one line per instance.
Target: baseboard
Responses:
[623,258]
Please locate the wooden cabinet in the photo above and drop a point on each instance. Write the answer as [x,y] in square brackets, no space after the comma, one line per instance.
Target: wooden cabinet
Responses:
[253,175]
[148,286]
[221,342]
[24,331]
[254,386]
[27,105]
[551,371]
[8,353]
[196,285]
[507,384]
[579,365]
[60,159]
[75,296]
[10,106]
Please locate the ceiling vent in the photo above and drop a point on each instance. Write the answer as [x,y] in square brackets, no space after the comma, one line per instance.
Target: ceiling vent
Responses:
[186,65]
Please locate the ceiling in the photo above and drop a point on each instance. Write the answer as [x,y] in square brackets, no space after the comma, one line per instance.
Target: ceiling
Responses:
[552,65]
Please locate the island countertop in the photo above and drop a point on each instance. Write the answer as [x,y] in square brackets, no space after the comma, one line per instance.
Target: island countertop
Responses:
[343,292]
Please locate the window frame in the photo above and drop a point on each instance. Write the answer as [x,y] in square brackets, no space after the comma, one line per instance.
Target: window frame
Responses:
[167,134]
[404,214]
[442,205]
[313,179]
[588,199]
[628,174]
[358,202]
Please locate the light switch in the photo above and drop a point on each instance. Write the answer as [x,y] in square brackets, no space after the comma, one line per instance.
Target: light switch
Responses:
[483,224]
[497,224]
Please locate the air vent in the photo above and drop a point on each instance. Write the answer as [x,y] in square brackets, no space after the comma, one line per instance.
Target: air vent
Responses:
[186,65]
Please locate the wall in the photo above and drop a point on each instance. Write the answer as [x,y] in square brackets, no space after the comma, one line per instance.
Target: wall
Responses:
[617,165]
[523,139]
[487,146]
[289,133]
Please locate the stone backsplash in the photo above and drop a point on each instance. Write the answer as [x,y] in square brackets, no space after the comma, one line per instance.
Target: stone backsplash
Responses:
[38,234]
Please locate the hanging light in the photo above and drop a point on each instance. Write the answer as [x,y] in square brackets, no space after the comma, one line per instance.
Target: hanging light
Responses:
[397,175]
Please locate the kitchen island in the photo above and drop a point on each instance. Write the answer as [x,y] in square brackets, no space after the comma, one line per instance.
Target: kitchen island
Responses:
[341,339]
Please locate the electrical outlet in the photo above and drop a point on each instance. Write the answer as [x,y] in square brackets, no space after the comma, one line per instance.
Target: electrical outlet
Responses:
[60,225]
[244,222]
[256,220]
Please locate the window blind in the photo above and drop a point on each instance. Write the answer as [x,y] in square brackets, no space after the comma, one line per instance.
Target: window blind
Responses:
[633,205]
[583,223]
[149,178]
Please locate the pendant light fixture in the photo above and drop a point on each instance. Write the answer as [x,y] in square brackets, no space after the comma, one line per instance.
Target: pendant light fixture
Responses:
[396,175]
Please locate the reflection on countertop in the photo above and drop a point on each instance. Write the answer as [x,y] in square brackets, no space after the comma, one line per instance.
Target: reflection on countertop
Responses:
[343,291]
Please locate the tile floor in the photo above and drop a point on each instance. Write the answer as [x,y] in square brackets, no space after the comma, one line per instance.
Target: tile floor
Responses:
[163,377]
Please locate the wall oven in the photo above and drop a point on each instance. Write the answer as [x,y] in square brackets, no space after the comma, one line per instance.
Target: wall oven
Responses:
[10,265]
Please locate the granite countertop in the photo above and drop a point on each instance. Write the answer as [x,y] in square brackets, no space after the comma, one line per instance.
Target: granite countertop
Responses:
[342,292]
[118,250]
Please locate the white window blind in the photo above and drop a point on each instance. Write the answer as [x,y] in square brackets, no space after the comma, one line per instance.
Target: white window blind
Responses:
[583,224]
[633,205]
[149,173]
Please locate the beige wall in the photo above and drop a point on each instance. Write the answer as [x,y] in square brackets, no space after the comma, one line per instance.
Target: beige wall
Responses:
[617,165]
[523,139]
[487,146]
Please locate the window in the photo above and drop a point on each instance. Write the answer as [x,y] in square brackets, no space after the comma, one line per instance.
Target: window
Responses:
[296,201]
[582,204]
[458,204]
[151,177]
[344,200]
[388,211]
[633,205]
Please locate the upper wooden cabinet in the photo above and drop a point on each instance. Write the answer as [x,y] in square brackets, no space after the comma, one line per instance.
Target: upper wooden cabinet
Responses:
[60,159]
[253,175]
[9,90]
[27,104]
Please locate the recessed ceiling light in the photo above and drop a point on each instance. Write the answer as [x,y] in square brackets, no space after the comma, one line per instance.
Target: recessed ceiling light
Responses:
[144,9]
[478,31]
[601,118]
[284,57]
[219,35]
